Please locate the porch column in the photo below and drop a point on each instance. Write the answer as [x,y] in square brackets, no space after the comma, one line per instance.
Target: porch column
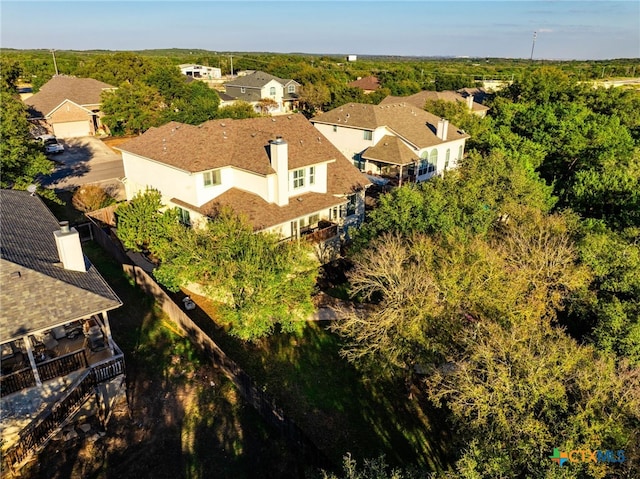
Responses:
[34,368]
[107,328]
[400,177]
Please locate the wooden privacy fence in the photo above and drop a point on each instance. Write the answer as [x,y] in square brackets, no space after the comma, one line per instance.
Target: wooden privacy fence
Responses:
[264,404]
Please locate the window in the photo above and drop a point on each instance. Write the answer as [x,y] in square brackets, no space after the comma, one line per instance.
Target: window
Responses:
[298,178]
[243,89]
[291,88]
[272,91]
[211,178]
[367,135]
[423,167]
[185,218]
[446,159]
[358,161]
[460,153]
[313,219]
[351,205]
[312,175]
[433,160]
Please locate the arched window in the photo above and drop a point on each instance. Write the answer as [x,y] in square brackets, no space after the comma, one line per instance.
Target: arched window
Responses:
[460,153]
[423,164]
[272,91]
[433,160]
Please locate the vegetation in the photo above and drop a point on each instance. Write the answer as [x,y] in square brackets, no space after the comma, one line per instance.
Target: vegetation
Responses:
[258,281]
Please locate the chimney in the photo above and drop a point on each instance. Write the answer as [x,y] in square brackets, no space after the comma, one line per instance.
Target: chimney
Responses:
[69,249]
[470,102]
[279,154]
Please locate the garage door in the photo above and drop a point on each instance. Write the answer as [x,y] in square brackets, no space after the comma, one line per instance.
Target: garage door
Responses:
[71,129]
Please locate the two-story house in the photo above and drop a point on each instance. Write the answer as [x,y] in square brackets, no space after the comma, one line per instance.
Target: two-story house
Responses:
[259,85]
[68,107]
[278,172]
[393,143]
[58,355]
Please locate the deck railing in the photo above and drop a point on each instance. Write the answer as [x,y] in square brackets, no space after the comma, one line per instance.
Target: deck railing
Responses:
[16,381]
[322,234]
[55,416]
[58,367]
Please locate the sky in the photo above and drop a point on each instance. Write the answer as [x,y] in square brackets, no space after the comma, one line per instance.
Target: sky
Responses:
[570,29]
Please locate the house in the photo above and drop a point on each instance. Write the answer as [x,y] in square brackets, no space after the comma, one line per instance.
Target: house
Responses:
[393,143]
[278,172]
[368,84]
[352,58]
[200,71]
[419,99]
[68,107]
[260,86]
[58,355]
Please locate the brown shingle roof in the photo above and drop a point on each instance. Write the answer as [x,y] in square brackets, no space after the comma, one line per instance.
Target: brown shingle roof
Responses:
[35,291]
[239,143]
[390,149]
[369,83]
[417,126]
[419,99]
[83,91]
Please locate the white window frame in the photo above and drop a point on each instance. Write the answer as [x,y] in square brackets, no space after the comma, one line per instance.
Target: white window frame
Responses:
[272,91]
[312,175]
[367,134]
[211,178]
[291,88]
[298,178]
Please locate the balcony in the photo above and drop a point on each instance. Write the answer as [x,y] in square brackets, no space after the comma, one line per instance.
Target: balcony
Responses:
[325,230]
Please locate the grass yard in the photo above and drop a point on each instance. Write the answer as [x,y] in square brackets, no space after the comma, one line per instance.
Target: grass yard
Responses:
[339,408]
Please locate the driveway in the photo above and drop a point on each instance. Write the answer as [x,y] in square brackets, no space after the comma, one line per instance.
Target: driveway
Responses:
[86,160]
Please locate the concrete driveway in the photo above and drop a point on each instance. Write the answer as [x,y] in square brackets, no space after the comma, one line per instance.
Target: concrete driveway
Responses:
[86,160]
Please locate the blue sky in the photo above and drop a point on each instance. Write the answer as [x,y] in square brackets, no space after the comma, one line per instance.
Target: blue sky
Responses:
[569,29]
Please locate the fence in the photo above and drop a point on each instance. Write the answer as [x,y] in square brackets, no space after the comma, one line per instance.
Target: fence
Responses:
[264,404]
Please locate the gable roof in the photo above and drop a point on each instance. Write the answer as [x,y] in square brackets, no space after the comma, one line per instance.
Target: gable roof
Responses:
[239,143]
[419,99]
[390,149]
[258,79]
[366,83]
[415,125]
[35,291]
[82,91]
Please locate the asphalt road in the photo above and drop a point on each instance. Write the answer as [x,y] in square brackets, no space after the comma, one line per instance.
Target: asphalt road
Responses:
[85,161]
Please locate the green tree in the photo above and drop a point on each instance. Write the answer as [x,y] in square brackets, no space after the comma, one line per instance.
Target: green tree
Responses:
[22,159]
[132,108]
[140,221]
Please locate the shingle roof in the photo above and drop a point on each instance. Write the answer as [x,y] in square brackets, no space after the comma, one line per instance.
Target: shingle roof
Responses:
[35,291]
[420,98]
[239,143]
[417,126]
[83,91]
[257,79]
[390,149]
[366,83]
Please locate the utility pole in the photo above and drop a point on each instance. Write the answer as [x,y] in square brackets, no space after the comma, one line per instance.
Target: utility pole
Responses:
[535,34]
[55,65]
[231,60]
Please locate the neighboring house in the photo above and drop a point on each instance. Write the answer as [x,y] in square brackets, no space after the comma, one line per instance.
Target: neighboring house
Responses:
[352,58]
[200,71]
[68,107]
[278,172]
[58,355]
[258,85]
[419,99]
[368,84]
[393,143]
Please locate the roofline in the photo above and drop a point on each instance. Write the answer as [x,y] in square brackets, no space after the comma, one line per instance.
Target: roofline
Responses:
[70,101]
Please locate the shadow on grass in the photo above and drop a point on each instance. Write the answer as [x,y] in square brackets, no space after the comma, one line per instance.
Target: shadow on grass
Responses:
[338,407]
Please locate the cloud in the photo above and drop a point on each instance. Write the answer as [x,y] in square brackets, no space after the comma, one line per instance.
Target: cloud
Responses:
[545,30]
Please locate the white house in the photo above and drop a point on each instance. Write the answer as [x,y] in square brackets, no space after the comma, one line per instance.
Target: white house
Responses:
[280,173]
[200,72]
[393,143]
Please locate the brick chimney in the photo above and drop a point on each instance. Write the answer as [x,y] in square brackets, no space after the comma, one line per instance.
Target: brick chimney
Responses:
[69,249]
[279,155]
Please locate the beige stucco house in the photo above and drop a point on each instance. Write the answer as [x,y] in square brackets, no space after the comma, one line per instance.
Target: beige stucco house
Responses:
[279,172]
[393,143]
[68,107]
